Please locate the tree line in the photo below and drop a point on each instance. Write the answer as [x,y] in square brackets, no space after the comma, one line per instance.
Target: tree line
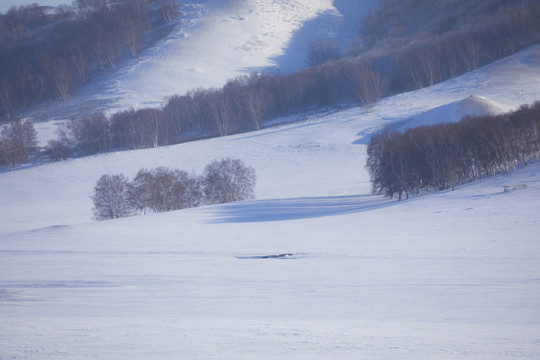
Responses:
[394,65]
[439,157]
[417,43]
[163,189]
[243,104]
[48,55]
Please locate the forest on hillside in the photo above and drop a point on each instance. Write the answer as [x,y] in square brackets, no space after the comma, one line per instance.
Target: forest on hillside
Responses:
[48,54]
[439,157]
[402,45]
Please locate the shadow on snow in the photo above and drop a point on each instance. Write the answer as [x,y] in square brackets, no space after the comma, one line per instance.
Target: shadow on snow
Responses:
[341,23]
[297,208]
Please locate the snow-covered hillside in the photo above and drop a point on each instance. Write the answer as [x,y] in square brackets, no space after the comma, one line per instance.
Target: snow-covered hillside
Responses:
[448,275]
[221,40]
[214,42]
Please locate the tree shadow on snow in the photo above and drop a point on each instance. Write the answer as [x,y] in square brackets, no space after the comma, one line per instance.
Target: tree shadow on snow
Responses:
[297,208]
[342,25]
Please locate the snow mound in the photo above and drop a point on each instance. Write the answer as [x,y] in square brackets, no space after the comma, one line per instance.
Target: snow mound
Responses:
[473,105]
[479,106]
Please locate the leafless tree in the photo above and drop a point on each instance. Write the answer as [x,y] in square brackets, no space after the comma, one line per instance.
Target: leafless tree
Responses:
[60,76]
[111,198]
[228,180]
[368,85]
[7,98]
[57,150]
[163,189]
[219,110]
[17,140]
[89,135]
[169,9]
[322,50]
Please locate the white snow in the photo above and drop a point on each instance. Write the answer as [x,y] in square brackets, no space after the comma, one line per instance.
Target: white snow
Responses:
[455,111]
[447,275]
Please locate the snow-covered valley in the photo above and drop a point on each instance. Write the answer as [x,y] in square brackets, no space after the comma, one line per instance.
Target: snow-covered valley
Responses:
[446,275]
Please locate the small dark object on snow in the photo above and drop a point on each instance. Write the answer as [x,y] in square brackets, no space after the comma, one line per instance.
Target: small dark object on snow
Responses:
[276,256]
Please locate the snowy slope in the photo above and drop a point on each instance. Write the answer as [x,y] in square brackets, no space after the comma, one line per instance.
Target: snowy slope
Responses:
[220,40]
[455,111]
[216,41]
[449,275]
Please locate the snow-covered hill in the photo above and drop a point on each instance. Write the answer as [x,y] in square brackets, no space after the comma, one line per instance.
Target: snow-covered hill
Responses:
[214,42]
[457,110]
[449,275]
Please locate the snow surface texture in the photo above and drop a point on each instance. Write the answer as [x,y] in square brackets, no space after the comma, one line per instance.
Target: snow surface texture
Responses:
[448,275]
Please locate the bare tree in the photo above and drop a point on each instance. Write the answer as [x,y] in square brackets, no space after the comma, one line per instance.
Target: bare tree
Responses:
[470,53]
[60,76]
[168,9]
[219,110]
[89,135]
[163,189]
[17,140]
[57,150]
[111,198]
[323,50]
[79,61]
[251,101]
[368,85]
[228,180]
[7,98]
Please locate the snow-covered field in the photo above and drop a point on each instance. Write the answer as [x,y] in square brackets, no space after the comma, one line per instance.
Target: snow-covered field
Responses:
[449,275]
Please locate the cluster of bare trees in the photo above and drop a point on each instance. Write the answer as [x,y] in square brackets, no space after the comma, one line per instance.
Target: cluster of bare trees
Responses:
[394,19]
[49,55]
[417,43]
[163,189]
[17,141]
[322,50]
[243,104]
[247,102]
[442,156]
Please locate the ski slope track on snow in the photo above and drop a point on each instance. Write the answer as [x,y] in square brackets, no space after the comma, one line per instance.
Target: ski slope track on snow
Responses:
[445,275]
